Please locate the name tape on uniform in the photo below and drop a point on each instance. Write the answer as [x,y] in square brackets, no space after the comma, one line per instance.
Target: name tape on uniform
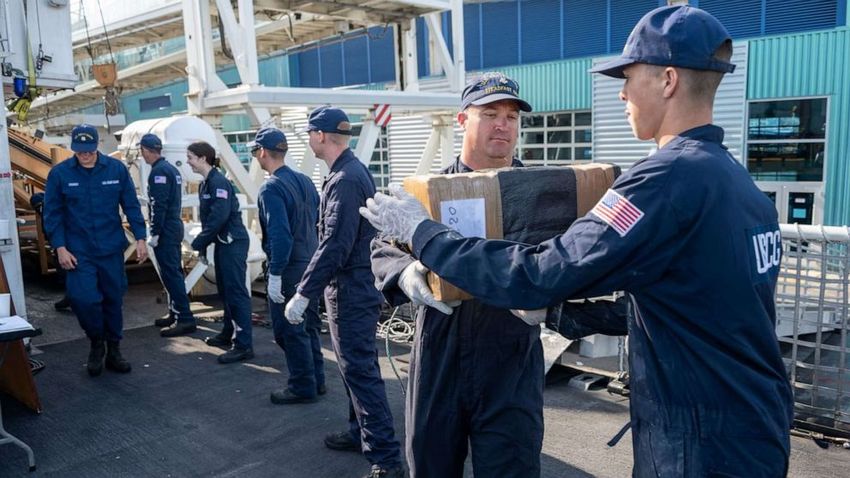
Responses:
[618,212]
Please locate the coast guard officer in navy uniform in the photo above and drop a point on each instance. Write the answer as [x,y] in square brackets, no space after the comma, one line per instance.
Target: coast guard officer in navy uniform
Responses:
[83,223]
[341,269]
[166,235]
[289,210]
[221,226]
[686,232]
[469,364]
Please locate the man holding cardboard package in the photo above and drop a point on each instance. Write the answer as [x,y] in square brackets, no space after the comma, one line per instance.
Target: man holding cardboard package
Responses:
[476,374]
[689,235]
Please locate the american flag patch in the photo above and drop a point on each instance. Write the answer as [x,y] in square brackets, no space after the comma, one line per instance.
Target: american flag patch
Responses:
[159,180]
[617,212]
[221,193]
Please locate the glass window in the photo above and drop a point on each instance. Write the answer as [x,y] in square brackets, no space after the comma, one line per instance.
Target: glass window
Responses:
[786,139]
[555,138]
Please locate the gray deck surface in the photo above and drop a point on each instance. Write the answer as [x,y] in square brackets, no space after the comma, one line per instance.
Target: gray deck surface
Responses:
[179,413]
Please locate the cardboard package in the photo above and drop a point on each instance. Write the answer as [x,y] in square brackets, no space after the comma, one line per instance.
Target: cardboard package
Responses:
[529,205]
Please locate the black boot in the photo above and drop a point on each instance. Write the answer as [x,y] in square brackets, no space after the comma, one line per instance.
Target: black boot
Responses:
[95,363]
[62,304]
[114,360]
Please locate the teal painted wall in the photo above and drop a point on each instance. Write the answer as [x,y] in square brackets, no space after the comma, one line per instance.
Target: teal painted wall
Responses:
[812,64]
[554,86]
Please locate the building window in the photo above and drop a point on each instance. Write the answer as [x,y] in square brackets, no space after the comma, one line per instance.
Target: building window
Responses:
[239,144]
[379,165]
[786,139]
[155,103]
[552,139]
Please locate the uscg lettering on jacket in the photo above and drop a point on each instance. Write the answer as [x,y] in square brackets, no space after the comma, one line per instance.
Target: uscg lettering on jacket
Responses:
[73,185]
[110,181]
[765,246]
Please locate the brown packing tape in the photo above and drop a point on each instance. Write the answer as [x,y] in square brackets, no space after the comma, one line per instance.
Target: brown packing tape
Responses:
[592,181]
[432,190]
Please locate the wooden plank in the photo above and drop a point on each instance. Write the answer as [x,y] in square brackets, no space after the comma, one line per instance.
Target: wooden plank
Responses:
[15,373]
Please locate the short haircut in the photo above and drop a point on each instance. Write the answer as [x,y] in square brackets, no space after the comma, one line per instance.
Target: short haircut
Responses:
[155,150]
[703,84]
[276,155]
[203,149]
[339,139]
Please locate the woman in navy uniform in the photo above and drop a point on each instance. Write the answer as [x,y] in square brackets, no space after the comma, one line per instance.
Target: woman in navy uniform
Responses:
[221,225]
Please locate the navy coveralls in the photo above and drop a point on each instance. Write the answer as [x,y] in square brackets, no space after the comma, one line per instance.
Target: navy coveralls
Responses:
[688,234]
[81,214]
[289,210]
[476,377]
[221,224]
[164,193]
[341,268]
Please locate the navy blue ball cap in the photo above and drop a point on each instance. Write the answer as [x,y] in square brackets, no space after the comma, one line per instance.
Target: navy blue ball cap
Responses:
[328,120]
[271,139]
[680,35]
[489,88]
[151,141]
[84,138]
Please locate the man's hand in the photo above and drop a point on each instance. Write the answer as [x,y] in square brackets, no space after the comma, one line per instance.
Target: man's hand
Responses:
[413,283]
[153,241]
[397,216]
[295,309]
[67,260]
[531,317]
[273,289]
[141,250]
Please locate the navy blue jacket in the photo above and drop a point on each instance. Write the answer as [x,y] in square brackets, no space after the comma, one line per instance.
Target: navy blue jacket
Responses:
[688,234]
[81,207]
[289,212]
[164,184]
[219,210]
[344,235]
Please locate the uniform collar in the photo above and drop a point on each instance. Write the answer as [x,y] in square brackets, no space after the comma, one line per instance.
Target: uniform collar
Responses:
[707,133]
[345,157]
[157,161]
[461,167]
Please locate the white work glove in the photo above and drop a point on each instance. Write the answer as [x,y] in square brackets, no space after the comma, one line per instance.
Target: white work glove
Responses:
[153,241]
[414,284]
[273,289]
[531,317]
[397,215]
[295,309]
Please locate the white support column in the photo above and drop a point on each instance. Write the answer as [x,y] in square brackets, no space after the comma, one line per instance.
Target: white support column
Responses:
[439,50]
[200,61]
[10,249]
[236,169]
[408,49]
[426,161]
[459,76]
[369,134]
[442,138]
[447,145]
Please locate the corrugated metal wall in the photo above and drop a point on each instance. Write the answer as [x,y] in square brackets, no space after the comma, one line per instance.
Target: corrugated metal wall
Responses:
[812,64]
[613,141]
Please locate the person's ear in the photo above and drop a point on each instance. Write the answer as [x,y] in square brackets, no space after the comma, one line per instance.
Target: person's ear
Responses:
[462,117]
[671,79]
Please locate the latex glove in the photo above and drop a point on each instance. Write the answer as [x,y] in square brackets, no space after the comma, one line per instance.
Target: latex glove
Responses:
[530,317]
[396,215]
[414,284]
[273,289]
[295,309]
[141,250]
[153,241]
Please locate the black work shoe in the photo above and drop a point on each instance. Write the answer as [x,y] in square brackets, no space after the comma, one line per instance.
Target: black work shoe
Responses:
[177,330]
[218,341]
[381,472]
[62,304]
[96,354]
[342,441]
[235,355]
[166,322]
[286,397]
[114,360]
[321,389]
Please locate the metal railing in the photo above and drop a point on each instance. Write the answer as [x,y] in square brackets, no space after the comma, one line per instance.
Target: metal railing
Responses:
[812,324]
